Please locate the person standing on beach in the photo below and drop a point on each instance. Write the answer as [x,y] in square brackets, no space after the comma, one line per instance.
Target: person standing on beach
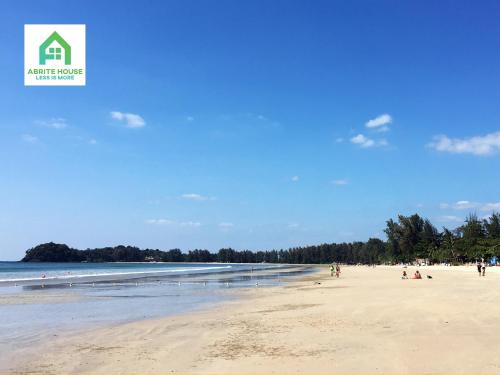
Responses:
[331,270]
[478,264]
[337,271]
[483,267]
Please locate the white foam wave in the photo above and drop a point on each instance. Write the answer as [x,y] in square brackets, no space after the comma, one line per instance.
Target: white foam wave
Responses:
[107,274]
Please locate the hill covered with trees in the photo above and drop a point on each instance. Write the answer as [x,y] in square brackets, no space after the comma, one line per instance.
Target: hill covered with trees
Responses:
[408,238]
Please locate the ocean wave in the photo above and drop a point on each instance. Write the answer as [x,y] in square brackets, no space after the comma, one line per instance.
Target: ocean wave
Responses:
[70,277]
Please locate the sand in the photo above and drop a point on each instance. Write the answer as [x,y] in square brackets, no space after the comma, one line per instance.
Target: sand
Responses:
[31,298]
[368,321]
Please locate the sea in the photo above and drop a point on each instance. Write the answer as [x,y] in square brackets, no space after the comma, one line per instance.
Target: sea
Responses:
[40,300]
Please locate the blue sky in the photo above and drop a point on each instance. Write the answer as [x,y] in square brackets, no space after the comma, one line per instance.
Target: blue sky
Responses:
[251,124]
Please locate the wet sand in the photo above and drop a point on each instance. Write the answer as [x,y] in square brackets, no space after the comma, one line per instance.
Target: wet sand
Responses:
[368,321]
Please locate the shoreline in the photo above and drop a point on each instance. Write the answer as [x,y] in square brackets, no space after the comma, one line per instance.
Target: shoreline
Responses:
[145,274]
[368,321]
[43,301]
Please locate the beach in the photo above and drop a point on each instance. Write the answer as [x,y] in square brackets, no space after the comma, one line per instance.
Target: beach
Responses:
[367,321]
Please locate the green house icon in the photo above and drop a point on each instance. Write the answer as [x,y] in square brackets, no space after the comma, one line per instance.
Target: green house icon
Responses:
[55,53]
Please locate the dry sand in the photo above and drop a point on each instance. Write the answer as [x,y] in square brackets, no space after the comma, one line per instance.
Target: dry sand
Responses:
[368,321]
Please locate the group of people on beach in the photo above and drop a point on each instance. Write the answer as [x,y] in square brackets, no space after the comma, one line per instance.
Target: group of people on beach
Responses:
[417,275]
[481,270]
[335,270]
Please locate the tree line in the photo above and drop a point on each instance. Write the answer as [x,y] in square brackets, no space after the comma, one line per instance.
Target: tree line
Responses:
[409,238]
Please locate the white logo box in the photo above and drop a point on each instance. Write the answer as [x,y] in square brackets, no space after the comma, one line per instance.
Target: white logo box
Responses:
[55,71]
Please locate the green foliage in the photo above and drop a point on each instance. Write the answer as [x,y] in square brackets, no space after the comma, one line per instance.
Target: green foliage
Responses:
[52,252]
[492,226]
[358,252]
[409,238]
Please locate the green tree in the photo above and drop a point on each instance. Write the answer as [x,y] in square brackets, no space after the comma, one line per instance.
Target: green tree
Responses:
[471,245]
[492,226]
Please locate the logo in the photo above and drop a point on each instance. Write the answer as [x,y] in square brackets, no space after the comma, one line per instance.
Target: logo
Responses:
[54,55]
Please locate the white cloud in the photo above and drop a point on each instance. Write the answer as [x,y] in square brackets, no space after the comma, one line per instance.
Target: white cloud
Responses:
[93,141]
[196,197]
[131,120]
[54,123]
[193,224]
[468,205]
[459,205]
[494,206]
[464,205]
[29,138]
[340,182]
[449,219]
[295,178]
[365,142]
[383,129]
[293,225]
[380,121]
[339,140]
[226,225]
[478,145]
[160,221]
[189,118]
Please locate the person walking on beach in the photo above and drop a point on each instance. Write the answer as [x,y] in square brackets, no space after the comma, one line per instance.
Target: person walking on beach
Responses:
[332,269]
[337,271]
[478,265]
[483,267]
